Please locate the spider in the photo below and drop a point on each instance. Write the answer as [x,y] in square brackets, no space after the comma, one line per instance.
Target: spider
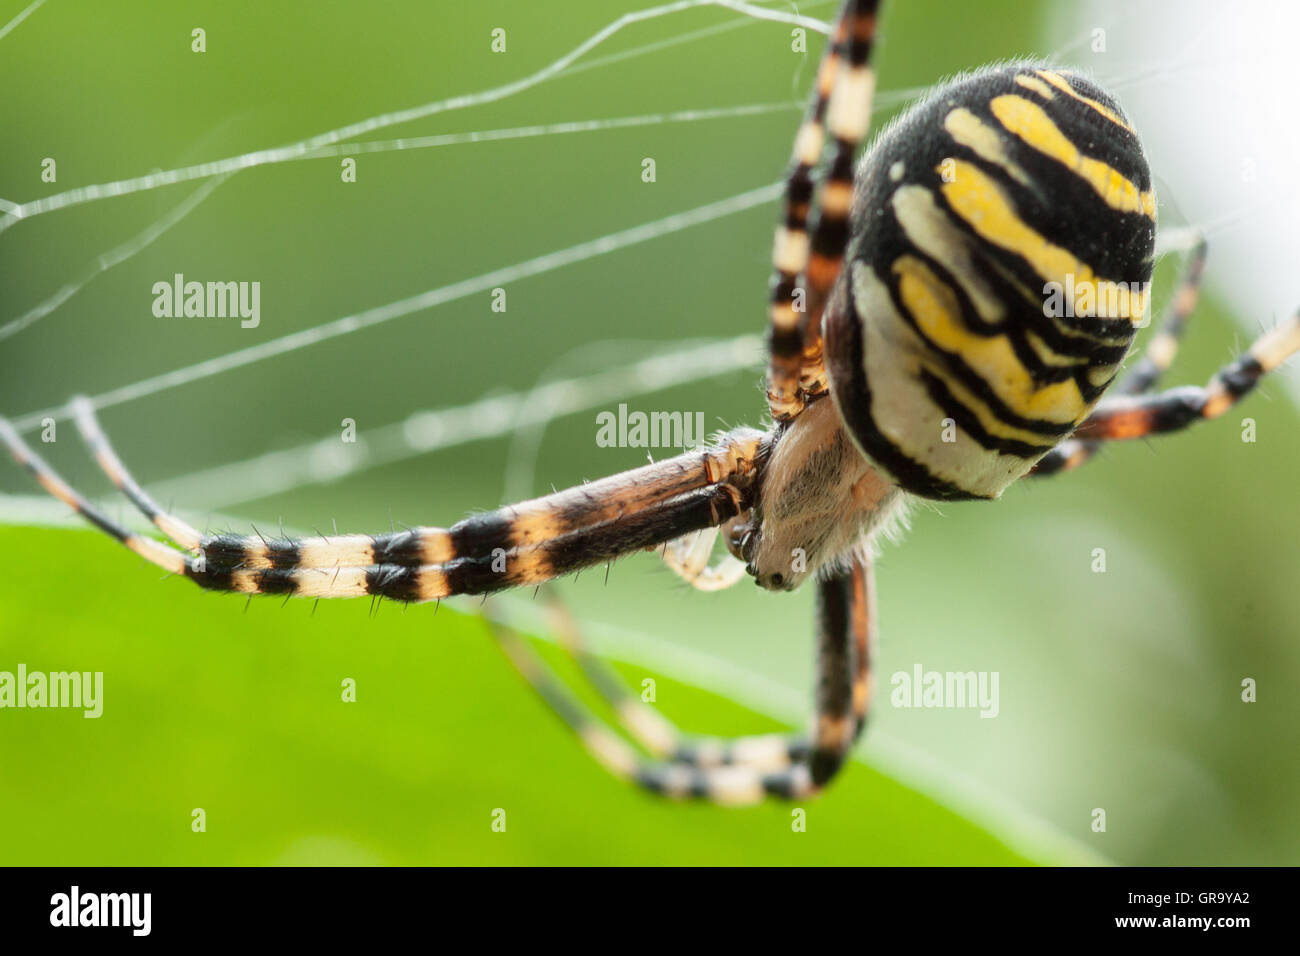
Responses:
[942,363]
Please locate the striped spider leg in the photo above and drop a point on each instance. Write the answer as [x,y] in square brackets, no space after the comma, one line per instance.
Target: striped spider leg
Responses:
[1135,412]
[518,545]
[1138,416]
[1156,359]
[743,769]
[805,261]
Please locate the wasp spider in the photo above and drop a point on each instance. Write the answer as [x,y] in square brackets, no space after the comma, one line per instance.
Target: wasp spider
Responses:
[934,365]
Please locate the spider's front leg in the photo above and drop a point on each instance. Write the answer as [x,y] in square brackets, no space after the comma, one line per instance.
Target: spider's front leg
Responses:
[521,544]
[806,260]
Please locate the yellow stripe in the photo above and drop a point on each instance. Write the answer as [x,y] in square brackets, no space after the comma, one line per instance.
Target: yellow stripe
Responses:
[1035,299]
[968,130]
[981,203]
[648,726]
[1031,123]
[992,424]
[933,232]
[935,308]
[1037,85]
[1058,81]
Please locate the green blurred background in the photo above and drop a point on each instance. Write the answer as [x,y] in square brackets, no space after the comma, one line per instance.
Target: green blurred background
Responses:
[1119,691]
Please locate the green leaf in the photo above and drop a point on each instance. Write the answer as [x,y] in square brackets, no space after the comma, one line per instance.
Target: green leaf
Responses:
[240,713]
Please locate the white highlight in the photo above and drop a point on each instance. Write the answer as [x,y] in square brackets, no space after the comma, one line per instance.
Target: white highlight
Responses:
[9,27]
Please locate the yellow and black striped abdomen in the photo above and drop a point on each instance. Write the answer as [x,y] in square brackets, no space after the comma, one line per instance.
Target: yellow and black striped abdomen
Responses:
[1003,235]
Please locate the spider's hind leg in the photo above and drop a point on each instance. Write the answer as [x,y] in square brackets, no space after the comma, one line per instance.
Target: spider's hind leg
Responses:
[740,770]
[654,732]
[1175,409]
[1156,359]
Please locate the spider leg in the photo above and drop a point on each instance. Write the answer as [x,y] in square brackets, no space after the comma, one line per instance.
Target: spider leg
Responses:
[744,769]
[840,100]
[513,529]
[849,118]
[1137,416]
[1156,360]
[155,552]
[93,435]
[688,558]
[790,248]
[523,544]
[1163,347]
[654,732]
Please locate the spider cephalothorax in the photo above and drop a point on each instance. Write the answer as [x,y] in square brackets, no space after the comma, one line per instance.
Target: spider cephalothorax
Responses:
[999,237]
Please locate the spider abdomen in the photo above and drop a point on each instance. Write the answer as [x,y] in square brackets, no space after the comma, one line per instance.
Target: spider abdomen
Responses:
[1003,234]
